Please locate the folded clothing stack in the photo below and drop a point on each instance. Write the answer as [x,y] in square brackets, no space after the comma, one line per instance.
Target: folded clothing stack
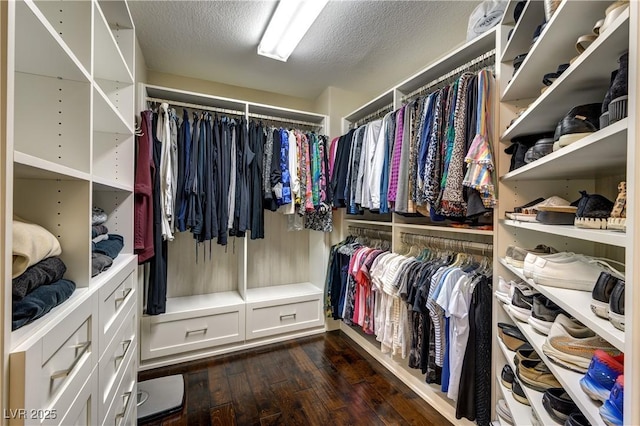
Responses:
[104,246]
[38,284]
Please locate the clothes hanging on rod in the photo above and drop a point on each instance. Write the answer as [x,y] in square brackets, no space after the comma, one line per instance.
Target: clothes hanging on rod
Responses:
[432,156]
[430,305]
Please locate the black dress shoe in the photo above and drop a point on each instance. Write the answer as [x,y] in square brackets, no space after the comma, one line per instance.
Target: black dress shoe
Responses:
[601,294]
[558,404]
[518,393]
[578,122]
[541,148]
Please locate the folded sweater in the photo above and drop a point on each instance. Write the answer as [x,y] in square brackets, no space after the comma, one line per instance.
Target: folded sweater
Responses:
[45,272]
[31,244]
[40,301]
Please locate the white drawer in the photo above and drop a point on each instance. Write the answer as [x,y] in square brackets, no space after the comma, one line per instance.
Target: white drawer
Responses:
[82,411]
[48,373]
[123,405]
[169,334]
[117,296]
[112,364]
[274,317]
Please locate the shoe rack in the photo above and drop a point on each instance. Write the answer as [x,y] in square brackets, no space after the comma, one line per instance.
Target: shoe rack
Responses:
[595,163]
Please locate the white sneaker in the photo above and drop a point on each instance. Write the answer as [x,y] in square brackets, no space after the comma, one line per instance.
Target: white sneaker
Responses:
[576,272]
[503,291]
[530,260]
[503,411]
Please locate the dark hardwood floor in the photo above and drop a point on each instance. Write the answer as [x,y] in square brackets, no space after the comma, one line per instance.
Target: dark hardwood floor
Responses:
[320,380]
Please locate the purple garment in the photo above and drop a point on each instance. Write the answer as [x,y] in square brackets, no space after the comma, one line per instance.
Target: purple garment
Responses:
[395,159]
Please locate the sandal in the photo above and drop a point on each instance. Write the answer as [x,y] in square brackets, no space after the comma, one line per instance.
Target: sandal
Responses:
[612,12]
[549,78]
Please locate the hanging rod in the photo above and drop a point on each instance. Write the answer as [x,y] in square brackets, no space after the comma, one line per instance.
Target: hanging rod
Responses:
[454,73]
[447,243]
[370,117]
[374,233]
[196,106]
[286,120]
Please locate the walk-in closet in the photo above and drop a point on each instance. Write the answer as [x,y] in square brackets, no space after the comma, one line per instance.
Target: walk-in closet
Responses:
[319,212]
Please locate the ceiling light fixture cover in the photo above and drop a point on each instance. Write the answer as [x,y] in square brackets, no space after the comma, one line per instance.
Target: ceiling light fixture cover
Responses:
[290,22]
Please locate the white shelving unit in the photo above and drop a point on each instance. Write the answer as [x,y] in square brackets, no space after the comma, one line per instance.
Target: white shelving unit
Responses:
[595,163]
[70,145]
[248,293]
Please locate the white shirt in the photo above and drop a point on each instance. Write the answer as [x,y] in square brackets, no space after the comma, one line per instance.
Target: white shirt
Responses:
[163,132]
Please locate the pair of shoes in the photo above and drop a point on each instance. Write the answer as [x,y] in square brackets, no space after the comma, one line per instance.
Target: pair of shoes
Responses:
[530,260]
[525,353]
[558,404]
[578,123]
[572,345]
[518,393]
[618,219]
[543,314]
[522,301]
[507,377]
[512,337]
[550,211]
[503,412]
[549,78]
[607,299]
[593,211]
[614,105]
[503,292]
[536,375]
[515,255]
[601,375]
[541,148]
[611,411]
[571,271]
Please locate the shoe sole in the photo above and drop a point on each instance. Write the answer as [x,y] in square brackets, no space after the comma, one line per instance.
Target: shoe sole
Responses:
[566,140]
[505,383]
[608,417]
[515,263]
[617,224]
[556,415]
[617,320]
[521,400]
[520,314]
[559,283]
[590,223]
[571,362]
[595,391]
[601,309]
[540,326]
[503,298]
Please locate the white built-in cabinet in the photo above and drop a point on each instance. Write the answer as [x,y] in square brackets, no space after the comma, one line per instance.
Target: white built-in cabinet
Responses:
[395,226]
[69,142]
[222,299]
[595,163]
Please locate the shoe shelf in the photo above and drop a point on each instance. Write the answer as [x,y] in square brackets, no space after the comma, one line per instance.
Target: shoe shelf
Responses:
[555,45]
[570,380]
[534,397]
[603,236]
[585,81]
[603,153]
[577,304]
[521,37]
[357,222]
[441,228]
[520,413]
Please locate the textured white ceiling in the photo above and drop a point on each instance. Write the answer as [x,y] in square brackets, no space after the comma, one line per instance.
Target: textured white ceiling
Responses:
[361,46]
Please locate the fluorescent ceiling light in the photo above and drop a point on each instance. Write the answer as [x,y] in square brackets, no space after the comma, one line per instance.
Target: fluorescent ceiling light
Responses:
[290,22]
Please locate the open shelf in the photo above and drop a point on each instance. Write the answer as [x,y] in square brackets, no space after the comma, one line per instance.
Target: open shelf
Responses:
[570,380]
[603,236]
[522,35]
[585,81]
[41,50]
[603,153]
[443,228]
[104,184]
[556,45]
[187,306]
[534,397]
[293,114]
[281,292]
[577,304]
[106,117]
[27,166]
[122,262]
[185,96]
[110,64]
[367,222]
[454,59]
[382,101]
[113,155]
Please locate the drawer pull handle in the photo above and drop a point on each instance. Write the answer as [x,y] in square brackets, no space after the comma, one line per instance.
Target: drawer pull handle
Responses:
[125,293]
[82,347]
[125,345]
[200,330]
[293,315]
[120,416]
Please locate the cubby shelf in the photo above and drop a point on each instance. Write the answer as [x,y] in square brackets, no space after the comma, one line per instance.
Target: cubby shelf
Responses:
[522,35]
[603,236]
